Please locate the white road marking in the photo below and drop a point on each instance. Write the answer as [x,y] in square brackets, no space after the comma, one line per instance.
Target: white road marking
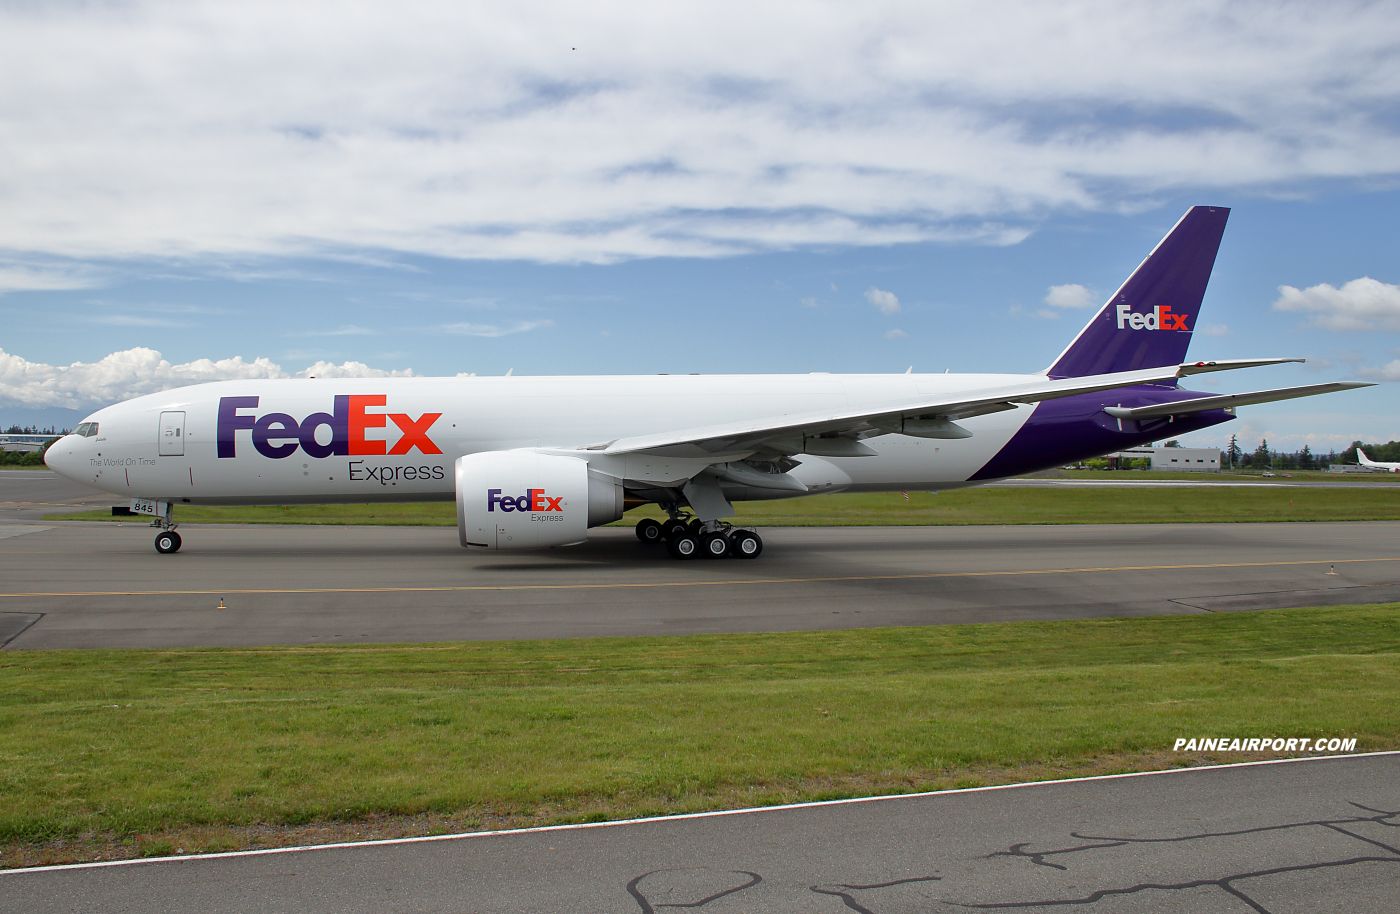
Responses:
[384,842]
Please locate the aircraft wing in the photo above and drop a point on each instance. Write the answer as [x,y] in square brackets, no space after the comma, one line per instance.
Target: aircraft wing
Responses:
[837,431]
[1183,407]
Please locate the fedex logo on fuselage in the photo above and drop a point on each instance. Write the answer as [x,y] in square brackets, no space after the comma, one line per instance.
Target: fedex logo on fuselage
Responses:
[532,500]
[278,435]
[1159,318]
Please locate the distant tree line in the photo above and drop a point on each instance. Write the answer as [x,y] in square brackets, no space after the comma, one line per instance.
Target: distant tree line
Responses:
[1388,452]
[1265,457]
[28,458]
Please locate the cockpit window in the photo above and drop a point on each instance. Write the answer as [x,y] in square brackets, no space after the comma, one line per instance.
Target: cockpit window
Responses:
[86,429]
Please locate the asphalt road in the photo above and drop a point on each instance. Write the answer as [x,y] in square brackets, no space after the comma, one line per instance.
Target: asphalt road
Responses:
[1303,836]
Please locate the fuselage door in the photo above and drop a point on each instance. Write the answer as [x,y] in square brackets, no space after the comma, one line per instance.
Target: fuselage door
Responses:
[172,434]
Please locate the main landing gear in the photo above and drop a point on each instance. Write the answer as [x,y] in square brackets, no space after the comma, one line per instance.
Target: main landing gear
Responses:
[693,538]
[167,541]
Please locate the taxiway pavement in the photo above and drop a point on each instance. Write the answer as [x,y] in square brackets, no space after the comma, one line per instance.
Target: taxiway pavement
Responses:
[1309,835]
[103,585]
[66,584]
[28,495]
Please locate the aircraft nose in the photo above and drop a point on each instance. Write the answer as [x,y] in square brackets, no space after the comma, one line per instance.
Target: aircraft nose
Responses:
[59,457]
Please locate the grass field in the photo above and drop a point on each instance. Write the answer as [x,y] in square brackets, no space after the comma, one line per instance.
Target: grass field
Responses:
[1195,504]
[123,753]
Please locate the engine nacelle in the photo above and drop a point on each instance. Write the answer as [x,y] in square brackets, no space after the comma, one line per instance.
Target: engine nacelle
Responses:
[509,500]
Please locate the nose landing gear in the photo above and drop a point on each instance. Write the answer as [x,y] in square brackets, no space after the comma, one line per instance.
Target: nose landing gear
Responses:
[167,541]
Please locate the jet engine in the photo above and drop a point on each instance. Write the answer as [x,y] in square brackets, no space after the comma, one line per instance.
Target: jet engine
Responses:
[512,500]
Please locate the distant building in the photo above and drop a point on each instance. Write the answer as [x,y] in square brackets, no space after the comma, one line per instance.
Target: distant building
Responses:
[1180,459]
[24,443]
[1350,468]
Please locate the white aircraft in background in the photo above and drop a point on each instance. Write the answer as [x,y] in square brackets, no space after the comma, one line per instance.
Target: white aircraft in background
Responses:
[1376,465]
[534,462]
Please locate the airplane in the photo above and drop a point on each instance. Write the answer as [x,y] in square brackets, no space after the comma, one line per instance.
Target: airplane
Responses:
[535,462]
[1375,465]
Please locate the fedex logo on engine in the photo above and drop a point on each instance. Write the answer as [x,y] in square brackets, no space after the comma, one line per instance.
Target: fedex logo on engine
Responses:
[532,500]
[1159,318]
[278,435]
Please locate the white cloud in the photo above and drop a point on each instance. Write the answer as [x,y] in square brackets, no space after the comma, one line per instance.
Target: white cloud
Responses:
[896,335]
[1362,304]
[1214,330]
[809,302]
[1387,372]
[1071,295]
[159,129]
[886,302]
[492,330]
[1288,432]
[323,369]
[132,320]
[134,372]
[43,277]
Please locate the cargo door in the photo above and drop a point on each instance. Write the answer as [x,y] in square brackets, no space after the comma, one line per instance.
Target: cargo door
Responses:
[172,434]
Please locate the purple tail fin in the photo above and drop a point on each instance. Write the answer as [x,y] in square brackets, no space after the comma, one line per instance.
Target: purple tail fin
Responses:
[1148,322]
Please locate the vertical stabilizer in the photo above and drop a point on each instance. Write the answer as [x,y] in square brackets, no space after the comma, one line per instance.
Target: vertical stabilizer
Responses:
[1148,321]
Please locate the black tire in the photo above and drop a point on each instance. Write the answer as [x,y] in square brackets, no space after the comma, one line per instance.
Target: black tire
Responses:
[649,531]
[745,545]
[168,542]
[696,528]
[673,528]
[684,546]
[714,545]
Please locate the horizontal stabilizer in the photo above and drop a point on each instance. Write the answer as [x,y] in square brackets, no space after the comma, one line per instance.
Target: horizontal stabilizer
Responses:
[1228,364]
[1200,404]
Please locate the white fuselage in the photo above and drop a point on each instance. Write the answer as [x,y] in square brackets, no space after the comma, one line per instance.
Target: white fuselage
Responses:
[1384,465]
[492,414]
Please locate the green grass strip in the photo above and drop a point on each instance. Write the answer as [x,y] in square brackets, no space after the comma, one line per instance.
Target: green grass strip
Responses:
[121,743]
[1128,505]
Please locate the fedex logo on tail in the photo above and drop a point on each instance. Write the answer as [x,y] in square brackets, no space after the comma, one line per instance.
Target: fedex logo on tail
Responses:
[278,435]
[533,500]
[1159,318]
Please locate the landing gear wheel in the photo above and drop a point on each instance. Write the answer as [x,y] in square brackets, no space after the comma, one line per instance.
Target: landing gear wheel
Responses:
[167,543]
[684,546]
[714,545]
[649,531]
[745,545]
[674,528]
[696,528]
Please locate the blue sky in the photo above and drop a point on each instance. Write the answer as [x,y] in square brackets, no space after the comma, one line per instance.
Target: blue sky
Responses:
[195,191]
